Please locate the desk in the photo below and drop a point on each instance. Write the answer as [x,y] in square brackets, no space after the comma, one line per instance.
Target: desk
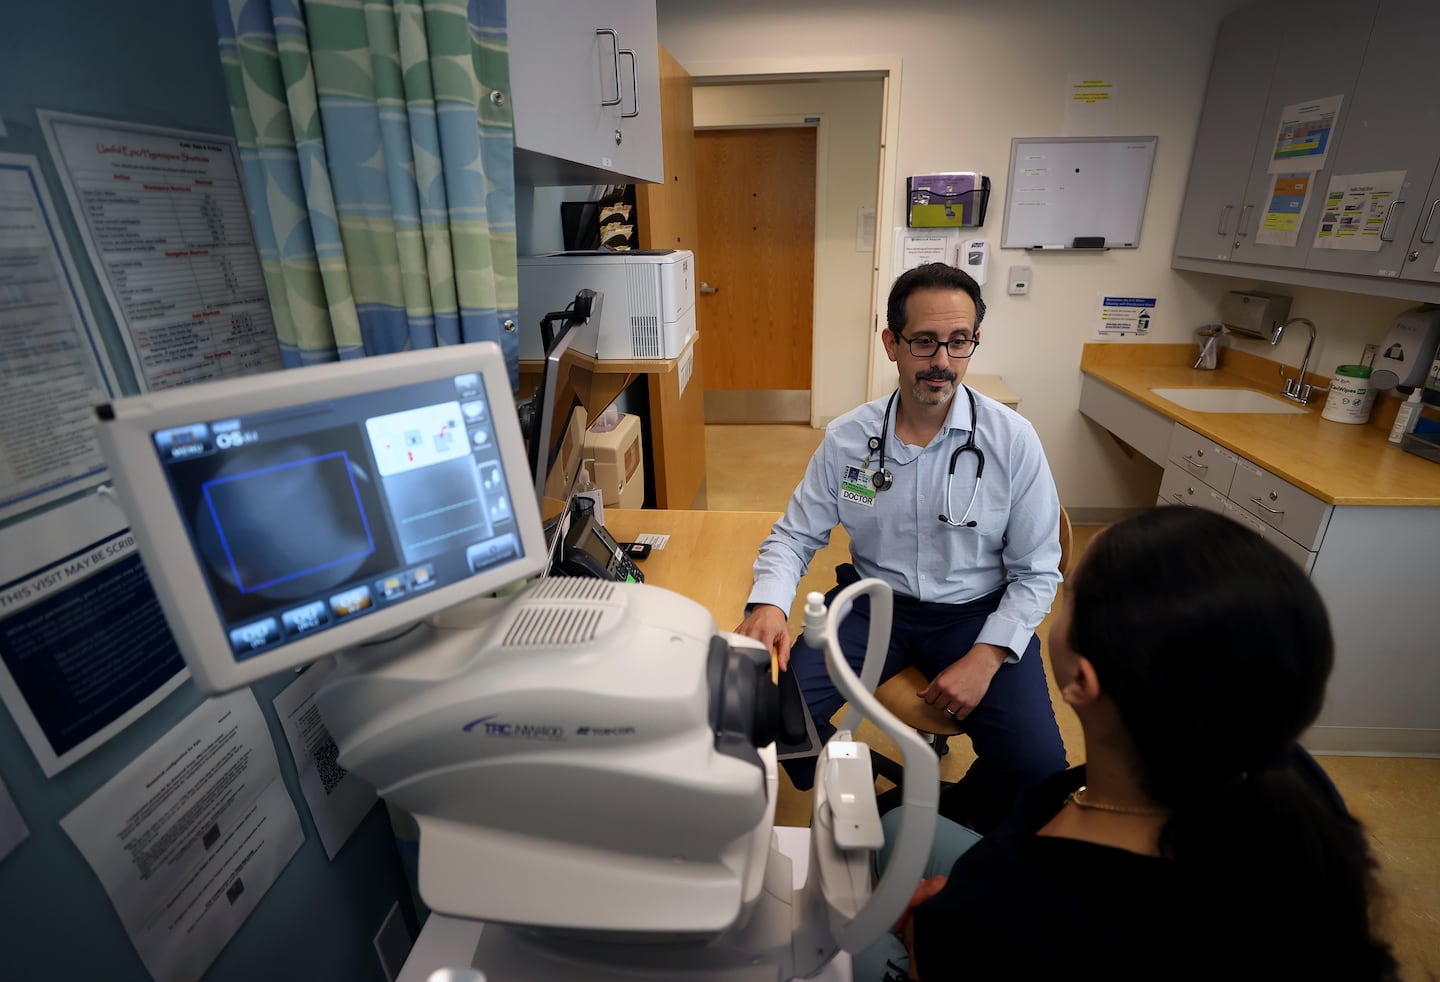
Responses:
[711,553]
[449,942]
[674,424]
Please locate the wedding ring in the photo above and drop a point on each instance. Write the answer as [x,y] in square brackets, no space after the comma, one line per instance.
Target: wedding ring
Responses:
[950,712]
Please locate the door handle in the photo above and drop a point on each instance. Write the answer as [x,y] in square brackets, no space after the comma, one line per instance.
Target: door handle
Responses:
[1244,216]
[706,289]
[1389,214]
[615,61]
[634,87]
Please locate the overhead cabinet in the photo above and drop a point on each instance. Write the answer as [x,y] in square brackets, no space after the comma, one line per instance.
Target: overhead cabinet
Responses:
[1376,56]
[585,85]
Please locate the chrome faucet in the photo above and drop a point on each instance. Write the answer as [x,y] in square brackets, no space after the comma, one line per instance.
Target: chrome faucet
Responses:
[1297,388]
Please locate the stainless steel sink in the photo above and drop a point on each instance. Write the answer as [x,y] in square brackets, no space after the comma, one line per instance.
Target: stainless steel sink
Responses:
[1228,401]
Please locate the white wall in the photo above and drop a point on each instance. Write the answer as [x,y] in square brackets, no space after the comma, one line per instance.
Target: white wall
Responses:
[974,74]
[847,164]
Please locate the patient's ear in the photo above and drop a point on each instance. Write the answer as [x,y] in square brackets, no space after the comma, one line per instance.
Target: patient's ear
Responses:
[1083,685]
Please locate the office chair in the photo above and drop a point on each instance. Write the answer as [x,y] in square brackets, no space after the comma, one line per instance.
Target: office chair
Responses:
[897,693]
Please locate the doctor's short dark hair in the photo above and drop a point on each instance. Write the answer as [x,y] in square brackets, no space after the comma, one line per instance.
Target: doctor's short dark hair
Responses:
[931,276]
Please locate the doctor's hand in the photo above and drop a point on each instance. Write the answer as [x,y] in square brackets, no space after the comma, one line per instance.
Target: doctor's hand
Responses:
[769,625]
[959,689]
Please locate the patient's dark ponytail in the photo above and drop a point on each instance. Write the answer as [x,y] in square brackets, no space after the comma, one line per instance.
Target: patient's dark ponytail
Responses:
[1216,648]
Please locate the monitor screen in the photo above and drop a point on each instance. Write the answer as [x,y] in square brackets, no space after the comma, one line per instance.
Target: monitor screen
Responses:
[310,512]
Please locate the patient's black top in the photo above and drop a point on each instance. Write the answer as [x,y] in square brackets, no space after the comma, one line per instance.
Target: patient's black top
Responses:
[1024,906]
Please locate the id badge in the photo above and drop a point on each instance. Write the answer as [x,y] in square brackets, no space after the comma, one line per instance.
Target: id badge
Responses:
[857,485]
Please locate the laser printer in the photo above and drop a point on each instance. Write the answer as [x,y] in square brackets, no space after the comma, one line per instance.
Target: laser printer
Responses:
[649,309]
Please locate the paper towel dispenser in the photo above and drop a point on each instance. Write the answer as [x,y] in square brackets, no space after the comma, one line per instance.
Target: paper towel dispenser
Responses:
[1251,314]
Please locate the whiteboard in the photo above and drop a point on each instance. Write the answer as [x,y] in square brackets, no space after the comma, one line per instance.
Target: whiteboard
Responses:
[1067,188]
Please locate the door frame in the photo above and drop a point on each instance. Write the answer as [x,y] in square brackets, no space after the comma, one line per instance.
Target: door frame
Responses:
[885,68]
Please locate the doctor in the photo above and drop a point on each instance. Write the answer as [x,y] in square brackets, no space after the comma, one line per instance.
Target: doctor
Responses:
[947,496]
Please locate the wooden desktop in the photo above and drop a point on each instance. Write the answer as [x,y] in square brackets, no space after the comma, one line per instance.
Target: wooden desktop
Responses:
[710,555]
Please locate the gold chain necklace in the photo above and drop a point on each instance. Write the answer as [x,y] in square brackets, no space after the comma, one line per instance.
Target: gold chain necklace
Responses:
[1077,798]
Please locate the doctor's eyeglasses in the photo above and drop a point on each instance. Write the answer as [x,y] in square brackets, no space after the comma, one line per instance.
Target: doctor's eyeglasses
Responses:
[955,347]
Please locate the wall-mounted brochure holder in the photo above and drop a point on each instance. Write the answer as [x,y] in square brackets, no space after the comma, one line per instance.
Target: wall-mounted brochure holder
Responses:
[955,200]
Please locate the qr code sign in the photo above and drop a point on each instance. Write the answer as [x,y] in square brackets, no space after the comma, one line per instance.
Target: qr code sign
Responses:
[326,756]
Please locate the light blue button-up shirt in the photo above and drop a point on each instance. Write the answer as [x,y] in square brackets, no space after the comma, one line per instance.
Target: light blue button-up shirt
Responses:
[899,538]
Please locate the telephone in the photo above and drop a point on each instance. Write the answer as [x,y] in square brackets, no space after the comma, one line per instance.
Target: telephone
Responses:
[589,550]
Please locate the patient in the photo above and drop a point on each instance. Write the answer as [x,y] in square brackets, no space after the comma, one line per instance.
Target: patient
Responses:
[1199,840]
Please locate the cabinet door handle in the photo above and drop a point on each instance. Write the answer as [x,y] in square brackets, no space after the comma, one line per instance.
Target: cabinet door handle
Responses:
[634,85]
[1240,226]
[706,289]
[615,63]
[1224,219]
[1389,214]
[1428,220]
[1195,463]
[1267,507]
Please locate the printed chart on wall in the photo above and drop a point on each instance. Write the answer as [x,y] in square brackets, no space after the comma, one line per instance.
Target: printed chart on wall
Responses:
[52,363]
[1357,207]
[164,219]
[1300,149]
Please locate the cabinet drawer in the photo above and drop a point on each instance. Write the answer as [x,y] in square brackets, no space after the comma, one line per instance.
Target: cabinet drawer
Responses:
[1280,505]
[1284,543]
[1203,458]
[1178,487]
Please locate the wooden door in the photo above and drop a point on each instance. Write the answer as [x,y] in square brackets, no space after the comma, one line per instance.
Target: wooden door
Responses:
[756,194]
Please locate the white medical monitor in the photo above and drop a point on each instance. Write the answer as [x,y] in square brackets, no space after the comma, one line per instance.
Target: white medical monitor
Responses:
[284,516]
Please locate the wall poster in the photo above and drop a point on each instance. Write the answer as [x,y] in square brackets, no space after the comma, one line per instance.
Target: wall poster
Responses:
[165,222]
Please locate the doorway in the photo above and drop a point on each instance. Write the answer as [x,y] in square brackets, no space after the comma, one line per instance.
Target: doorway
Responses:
[847,114]
[756,211]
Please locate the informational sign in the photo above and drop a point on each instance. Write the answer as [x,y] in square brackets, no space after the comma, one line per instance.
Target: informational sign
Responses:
[1356,208]
[338,800]
[164,219]
[1289,198]
[53,367]
[1302,140]
[189,837]
[1090,99]
[1125,317]
[84,647]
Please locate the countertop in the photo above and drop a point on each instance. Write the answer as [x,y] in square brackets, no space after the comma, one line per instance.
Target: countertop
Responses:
[1339,463]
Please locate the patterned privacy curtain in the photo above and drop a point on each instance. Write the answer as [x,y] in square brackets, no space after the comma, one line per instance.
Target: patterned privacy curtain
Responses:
[377,147]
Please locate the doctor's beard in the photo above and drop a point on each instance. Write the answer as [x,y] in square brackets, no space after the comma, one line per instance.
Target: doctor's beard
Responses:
[929,397]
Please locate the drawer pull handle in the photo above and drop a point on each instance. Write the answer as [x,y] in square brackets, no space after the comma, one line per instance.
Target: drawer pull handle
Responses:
[1267,507]
[1195,463]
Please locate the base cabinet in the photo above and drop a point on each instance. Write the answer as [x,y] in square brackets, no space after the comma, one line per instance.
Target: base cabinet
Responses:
[1374,567]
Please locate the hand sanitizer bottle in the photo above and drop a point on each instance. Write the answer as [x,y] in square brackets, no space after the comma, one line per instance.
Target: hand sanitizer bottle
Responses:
[1406,418]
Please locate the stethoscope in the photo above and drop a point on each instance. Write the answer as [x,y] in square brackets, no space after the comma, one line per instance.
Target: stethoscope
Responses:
[882,478]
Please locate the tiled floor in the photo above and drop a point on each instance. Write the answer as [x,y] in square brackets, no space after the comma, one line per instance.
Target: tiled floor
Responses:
[754,468]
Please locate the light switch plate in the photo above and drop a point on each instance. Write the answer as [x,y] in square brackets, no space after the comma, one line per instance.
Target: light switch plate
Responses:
[1019,282]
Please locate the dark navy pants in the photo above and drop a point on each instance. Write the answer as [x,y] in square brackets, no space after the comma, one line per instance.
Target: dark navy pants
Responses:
[1013,729]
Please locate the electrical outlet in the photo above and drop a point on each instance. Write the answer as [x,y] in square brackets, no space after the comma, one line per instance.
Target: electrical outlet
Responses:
[1019,280]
